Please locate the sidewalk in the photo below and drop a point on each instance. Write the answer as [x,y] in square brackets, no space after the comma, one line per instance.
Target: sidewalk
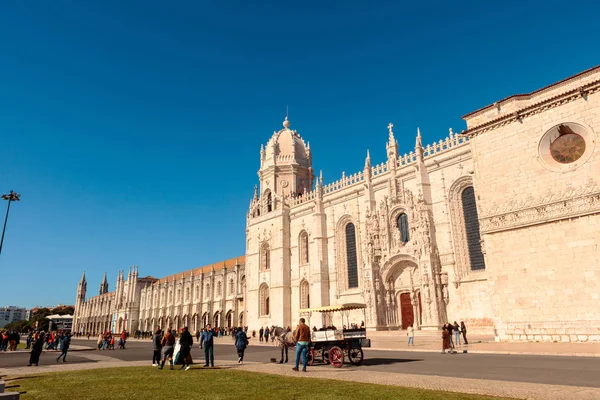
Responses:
[516,390]
[478,344]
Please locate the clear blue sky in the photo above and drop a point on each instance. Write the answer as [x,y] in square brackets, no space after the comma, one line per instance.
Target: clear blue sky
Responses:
[132,129]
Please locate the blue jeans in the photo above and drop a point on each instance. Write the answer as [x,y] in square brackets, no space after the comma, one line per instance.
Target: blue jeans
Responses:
[208,355]
[457,337]
[301,350]
[411,339]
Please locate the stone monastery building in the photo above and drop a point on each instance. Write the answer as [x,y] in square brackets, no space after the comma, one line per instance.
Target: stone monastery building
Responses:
[498,226]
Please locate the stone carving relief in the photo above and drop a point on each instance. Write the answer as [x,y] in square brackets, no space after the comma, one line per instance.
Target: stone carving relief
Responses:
[554,205]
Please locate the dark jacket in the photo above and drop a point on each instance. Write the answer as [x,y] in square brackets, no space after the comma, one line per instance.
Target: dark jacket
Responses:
[186,339]
[65,341]
[241,340]
[156,342]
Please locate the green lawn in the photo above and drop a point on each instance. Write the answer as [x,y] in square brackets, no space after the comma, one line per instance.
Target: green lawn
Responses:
[214,384]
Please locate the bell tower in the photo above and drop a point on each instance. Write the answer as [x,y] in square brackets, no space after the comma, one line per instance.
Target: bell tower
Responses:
[286,164]
[285,172]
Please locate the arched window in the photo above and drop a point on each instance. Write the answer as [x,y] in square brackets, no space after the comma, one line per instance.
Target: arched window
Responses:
[178,299]
[219,289]
[170,297]
[187,294]
[197,292]
[207,293]
[352,263]
[268,201]
[265,257]
[303,247]
[304,295]
[263,307]
[231,287]
[403,227]
[471,220]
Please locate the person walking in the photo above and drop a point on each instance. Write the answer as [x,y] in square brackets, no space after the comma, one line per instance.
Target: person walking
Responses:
[284,346]
[449,328]
[36,349]
[445,340]
[65,342]
[168,343]
[410,332]
[456,329]
[156,347]
[302,338]
[266,334]
[186,341]
[463,330]
[100,341]
[207,341]
[260,334]
[241,342]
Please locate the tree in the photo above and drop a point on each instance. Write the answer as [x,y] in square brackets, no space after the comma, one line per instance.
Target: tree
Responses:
[19,326]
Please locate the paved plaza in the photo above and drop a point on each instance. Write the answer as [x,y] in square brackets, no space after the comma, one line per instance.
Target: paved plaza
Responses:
[529,376]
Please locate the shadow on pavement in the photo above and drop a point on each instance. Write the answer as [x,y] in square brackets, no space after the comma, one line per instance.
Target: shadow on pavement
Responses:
[385,361]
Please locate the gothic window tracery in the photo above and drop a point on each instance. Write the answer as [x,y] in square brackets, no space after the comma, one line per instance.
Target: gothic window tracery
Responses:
[231,287]
[207,292]
[303,247]
[304,294]
[403,227]
[469,207]
[351,260]
[219,289]
[263,307]
[268,201]
[466,236]
[265,257]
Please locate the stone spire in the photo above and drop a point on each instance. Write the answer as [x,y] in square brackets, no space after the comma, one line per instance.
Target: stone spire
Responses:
[392,148]
[368,160]
[419,147]
[82,280]
[103,285]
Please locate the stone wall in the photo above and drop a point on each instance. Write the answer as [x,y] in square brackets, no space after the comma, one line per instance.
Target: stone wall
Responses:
[541,219]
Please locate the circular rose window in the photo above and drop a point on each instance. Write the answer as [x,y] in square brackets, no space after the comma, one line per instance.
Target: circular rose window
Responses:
[567,148]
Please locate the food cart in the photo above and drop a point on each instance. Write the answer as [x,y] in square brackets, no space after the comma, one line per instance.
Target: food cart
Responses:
[331,346]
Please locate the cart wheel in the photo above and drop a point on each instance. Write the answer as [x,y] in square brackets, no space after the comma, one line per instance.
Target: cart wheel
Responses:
[355,356]
[325,355]
[310,357]
[336,357]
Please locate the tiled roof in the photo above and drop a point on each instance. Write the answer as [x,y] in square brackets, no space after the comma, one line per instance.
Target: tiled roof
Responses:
[218,266]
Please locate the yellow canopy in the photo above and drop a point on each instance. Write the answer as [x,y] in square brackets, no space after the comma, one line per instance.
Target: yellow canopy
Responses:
[343,307]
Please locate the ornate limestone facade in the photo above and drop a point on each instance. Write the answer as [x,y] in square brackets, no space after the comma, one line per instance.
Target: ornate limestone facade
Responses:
[498,226]
[482,226]
[210,294]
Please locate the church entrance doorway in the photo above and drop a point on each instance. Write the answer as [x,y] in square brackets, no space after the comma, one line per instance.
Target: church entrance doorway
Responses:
[406,310]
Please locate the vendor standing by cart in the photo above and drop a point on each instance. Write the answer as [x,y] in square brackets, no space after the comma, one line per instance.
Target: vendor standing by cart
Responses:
[302,338]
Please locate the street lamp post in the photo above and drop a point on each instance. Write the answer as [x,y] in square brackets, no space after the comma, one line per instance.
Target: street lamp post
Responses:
[12,196]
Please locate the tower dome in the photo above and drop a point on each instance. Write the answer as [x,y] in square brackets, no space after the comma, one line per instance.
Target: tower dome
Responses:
[286,147]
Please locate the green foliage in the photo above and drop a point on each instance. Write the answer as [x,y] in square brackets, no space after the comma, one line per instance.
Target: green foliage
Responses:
[39,317]
[19,326]
[149,383]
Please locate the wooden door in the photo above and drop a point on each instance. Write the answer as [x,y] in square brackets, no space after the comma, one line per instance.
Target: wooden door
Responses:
[406,309]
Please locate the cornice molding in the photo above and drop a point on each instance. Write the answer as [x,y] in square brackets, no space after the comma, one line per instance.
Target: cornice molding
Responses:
[582,91]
